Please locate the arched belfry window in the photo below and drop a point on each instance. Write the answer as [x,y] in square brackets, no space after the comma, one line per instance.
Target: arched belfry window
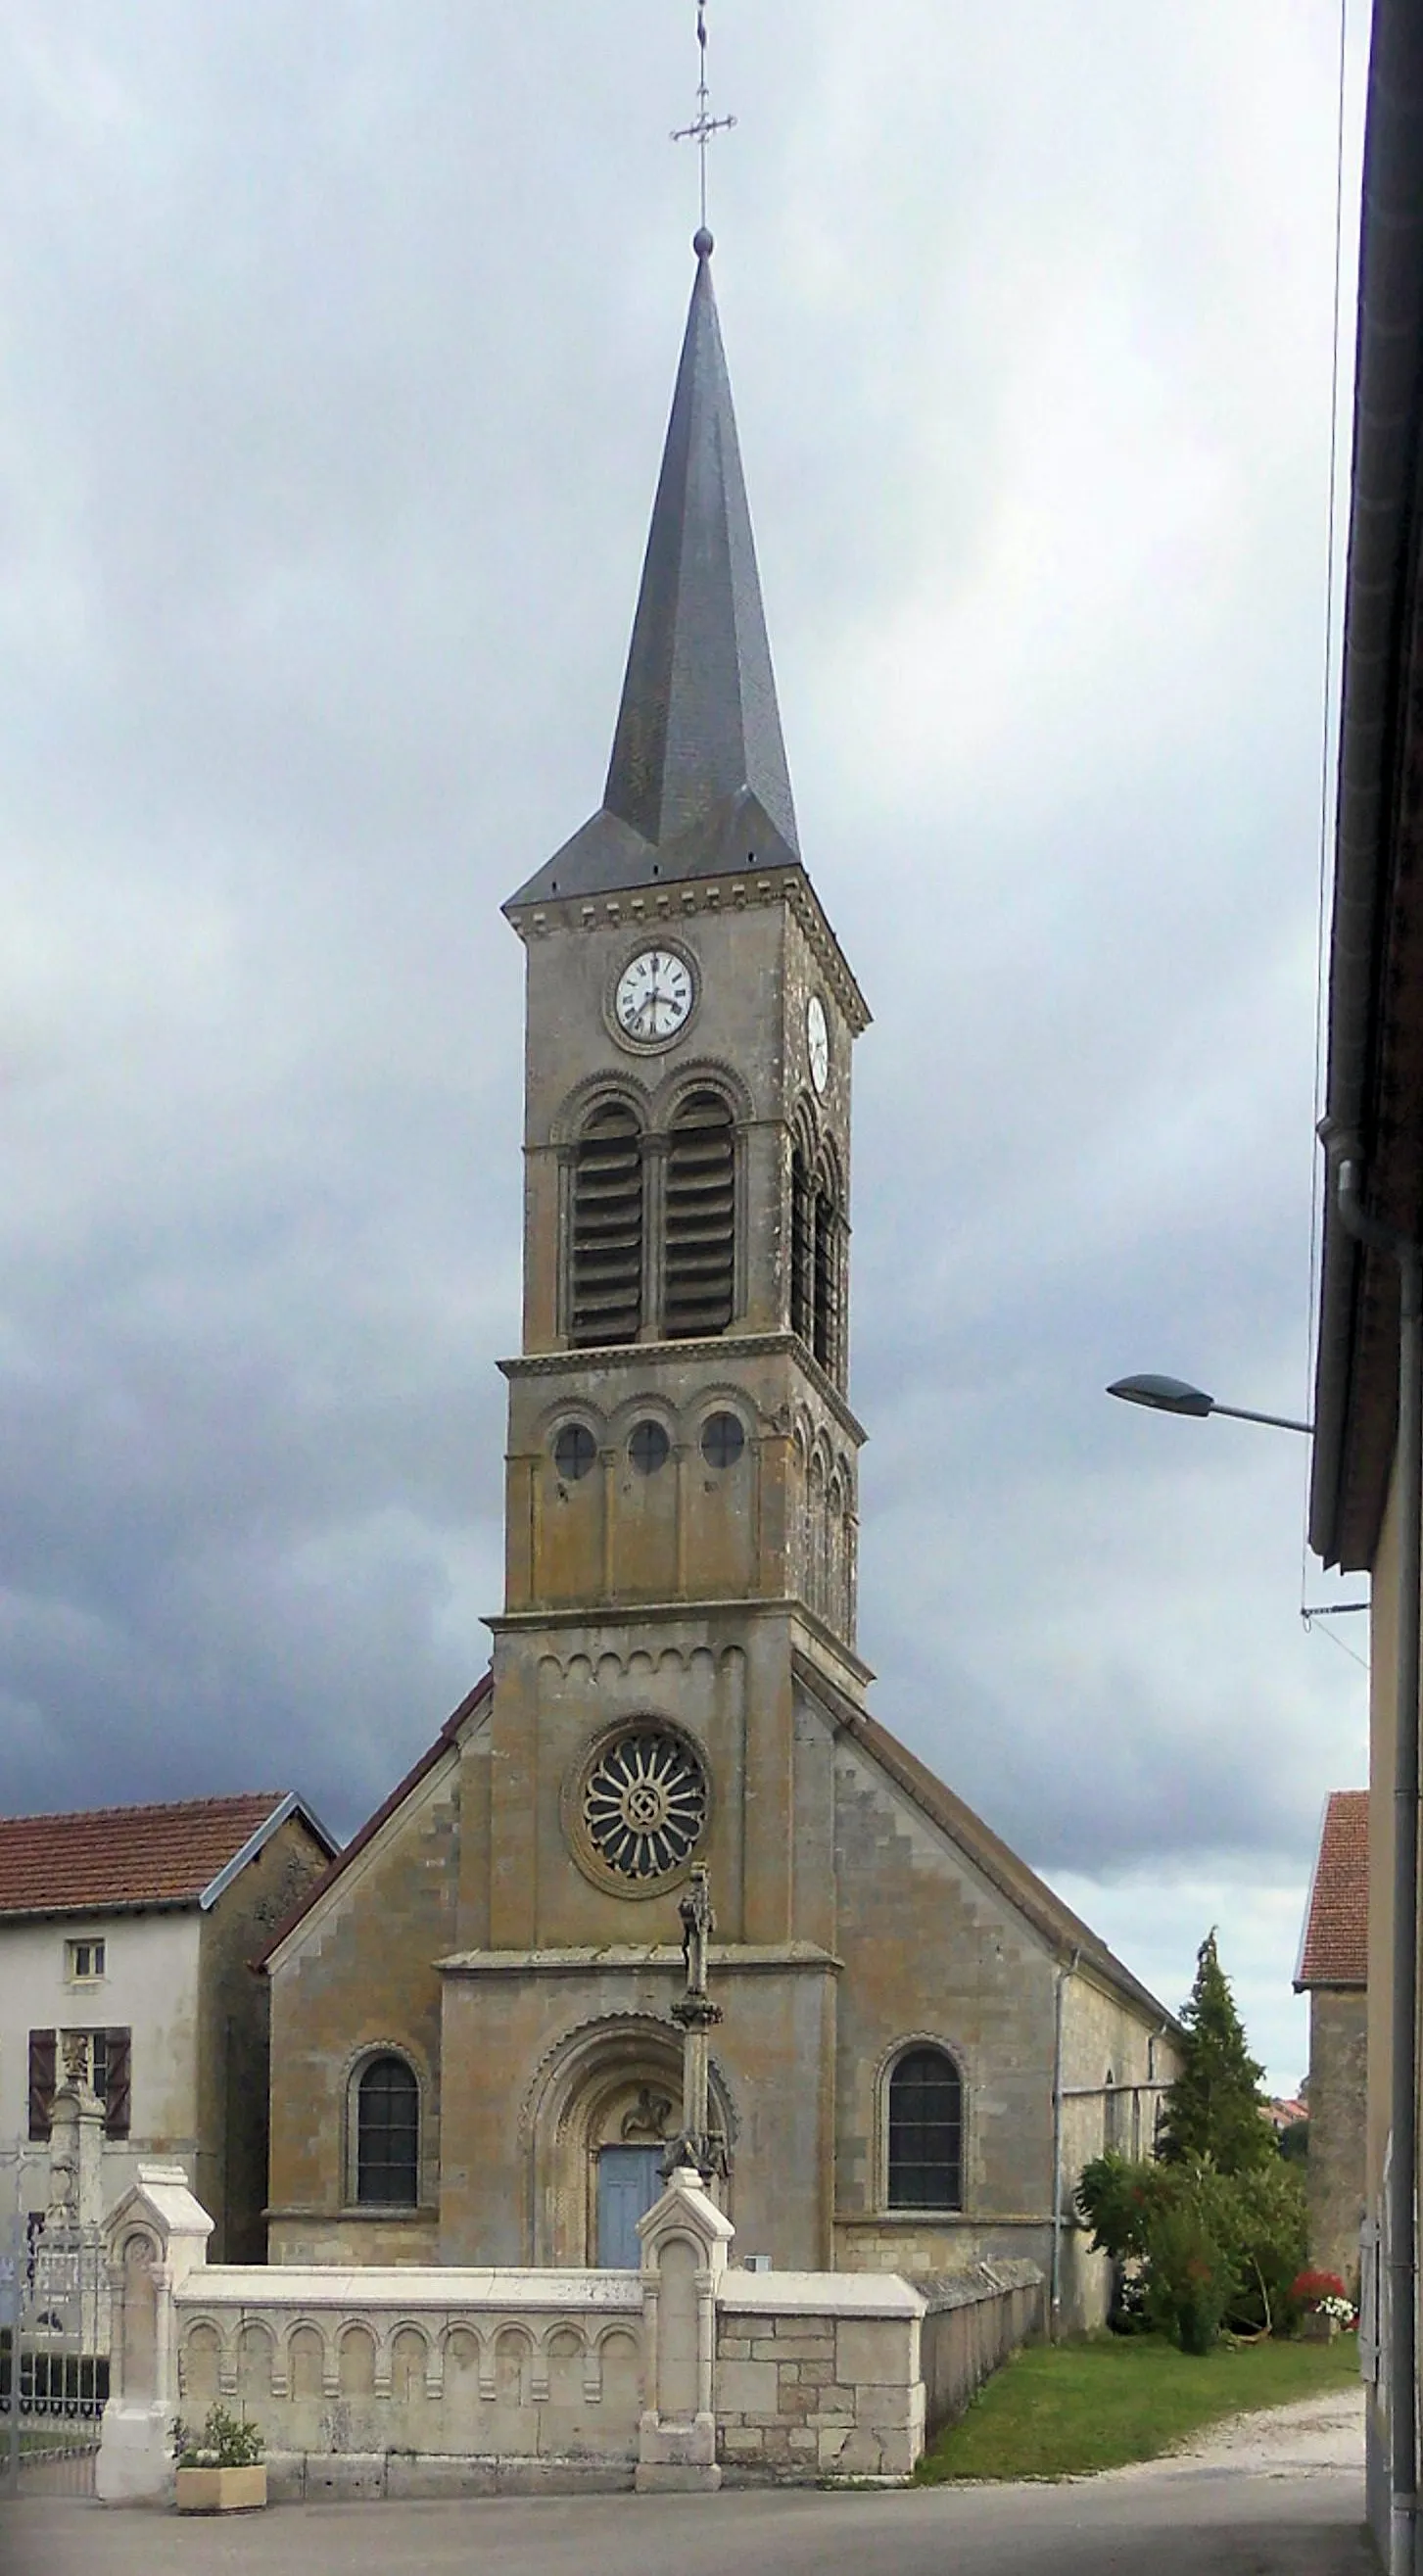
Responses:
[802,1248]
[816,1259]
[605,1282]
[826,1341]
[388,2134]
[699,1220]
[925,2132]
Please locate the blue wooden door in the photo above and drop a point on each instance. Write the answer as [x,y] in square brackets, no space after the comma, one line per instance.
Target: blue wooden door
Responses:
[628,2184]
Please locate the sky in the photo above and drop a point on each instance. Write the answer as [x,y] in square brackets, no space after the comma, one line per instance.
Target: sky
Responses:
[336,360]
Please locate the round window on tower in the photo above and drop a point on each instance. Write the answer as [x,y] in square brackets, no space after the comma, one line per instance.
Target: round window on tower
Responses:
[723,1439]
[574,1452]
[649,1448]
[636,1808]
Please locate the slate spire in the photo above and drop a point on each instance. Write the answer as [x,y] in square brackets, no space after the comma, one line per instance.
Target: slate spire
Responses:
[698,759]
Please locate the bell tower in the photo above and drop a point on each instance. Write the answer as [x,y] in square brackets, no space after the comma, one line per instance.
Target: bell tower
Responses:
[682,1476]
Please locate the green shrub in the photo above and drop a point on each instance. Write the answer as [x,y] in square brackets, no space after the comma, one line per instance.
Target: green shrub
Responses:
[225,2442]
[1212,2248]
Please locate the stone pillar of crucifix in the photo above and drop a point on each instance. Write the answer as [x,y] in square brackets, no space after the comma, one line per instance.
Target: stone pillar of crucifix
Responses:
[698,2145]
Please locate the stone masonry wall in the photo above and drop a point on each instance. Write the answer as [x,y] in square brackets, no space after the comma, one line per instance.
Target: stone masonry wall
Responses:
[817,2396]
[972,2325]
[1338,2093]
[837,2375]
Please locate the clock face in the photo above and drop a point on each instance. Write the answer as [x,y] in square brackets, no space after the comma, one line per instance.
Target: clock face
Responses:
[817,1039]
[654,996]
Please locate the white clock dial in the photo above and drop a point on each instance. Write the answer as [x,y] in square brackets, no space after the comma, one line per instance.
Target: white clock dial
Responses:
[654,996]
[817,1040]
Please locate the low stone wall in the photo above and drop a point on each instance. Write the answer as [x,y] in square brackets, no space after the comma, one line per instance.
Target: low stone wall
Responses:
[425,2381]
[971,2323]
[416,2381]
[846,2374]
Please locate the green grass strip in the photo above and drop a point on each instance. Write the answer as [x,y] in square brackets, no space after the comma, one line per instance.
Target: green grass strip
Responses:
[1063,2410]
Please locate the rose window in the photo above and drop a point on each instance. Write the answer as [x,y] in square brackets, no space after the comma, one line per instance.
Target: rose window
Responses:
[644,1803]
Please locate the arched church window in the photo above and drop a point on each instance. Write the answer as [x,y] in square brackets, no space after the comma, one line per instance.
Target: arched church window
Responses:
[926,2132]
[802,1247]
[605,1301]
[388,2134]
[699,1274]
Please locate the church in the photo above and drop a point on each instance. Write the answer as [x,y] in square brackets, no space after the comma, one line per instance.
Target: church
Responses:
[474,2057]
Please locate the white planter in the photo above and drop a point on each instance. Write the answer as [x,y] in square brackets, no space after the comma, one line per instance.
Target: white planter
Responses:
[222,2490]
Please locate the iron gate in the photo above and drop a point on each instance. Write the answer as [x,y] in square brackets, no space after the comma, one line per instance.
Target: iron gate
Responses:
[54,2358]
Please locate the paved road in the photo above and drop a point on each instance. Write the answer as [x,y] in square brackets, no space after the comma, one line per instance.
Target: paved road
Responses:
[1283,2497]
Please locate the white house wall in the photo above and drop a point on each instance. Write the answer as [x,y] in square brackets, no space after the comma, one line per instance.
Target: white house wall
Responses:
[150,1987]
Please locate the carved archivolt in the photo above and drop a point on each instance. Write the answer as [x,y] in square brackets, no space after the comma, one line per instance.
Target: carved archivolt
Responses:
[580,2097]
[591,1093]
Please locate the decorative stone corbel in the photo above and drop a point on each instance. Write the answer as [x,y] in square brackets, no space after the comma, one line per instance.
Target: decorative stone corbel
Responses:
[684,2242]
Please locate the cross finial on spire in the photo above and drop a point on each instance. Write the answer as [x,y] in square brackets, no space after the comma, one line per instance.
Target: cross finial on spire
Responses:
[703,127]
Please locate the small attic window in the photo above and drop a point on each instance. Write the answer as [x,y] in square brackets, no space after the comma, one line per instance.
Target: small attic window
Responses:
[83,1962]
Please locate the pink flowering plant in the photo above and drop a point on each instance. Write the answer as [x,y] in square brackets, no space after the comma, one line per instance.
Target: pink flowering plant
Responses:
[1325,2295]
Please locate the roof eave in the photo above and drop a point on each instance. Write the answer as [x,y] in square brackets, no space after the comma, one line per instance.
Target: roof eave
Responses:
[291,1805]
[1354,1402]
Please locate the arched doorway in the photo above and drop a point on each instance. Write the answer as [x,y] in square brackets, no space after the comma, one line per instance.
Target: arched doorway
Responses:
[602,2116]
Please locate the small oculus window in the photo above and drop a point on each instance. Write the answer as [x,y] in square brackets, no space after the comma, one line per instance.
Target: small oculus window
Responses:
[83,1962]
[723,1439]
[649,1448]
[574,1452]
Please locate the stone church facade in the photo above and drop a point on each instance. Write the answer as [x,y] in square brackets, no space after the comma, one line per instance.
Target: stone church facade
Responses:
[473,2056]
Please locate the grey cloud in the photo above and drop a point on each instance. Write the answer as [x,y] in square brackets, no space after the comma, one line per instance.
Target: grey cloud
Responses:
[338,354]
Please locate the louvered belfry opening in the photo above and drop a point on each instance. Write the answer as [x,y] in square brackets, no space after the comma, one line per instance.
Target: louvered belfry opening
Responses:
[699,1278]
[606,1300]
[826,1342]
[816,1275]
[802,1247]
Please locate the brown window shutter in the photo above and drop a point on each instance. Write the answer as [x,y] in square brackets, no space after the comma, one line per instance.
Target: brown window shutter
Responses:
[119,2090]
[41,2081]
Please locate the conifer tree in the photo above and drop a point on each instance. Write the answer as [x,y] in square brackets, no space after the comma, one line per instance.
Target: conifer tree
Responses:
[1213,2108]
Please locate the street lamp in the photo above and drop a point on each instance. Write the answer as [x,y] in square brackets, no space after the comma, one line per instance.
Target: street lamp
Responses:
[1174,1395]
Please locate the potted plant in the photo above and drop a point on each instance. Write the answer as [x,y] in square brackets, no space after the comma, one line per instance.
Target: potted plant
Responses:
[221,2468]
[1326,2304]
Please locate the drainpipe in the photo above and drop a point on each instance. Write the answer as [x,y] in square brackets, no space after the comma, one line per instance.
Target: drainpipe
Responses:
[1055,2286]
[1400,2213]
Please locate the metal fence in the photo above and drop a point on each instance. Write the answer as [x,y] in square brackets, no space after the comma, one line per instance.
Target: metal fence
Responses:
[54,2358]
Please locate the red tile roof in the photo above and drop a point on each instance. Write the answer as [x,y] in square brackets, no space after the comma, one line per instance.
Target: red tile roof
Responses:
[1335,1947]
[123,1856]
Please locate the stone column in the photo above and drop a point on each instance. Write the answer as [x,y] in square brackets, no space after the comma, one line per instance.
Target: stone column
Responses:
[684,2241]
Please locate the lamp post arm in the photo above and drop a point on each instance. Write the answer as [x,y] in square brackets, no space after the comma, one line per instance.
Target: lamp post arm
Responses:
[1276,1421]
